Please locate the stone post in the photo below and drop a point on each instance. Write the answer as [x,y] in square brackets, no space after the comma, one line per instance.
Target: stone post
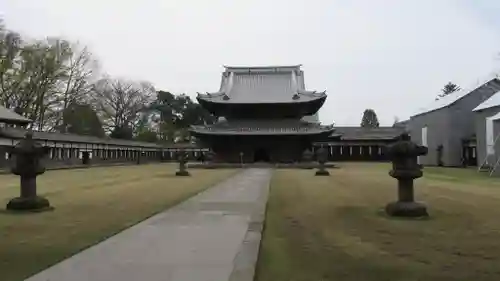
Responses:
[182,164]
[140,155]
[405,169]
[28,165]
[322,156]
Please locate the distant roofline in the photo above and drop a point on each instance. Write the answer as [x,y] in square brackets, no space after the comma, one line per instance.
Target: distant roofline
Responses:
[452,102]
[263,67]
[9,116]
[367,128]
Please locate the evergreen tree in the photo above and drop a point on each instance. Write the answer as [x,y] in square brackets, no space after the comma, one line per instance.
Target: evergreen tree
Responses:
[370,119]
[448,89]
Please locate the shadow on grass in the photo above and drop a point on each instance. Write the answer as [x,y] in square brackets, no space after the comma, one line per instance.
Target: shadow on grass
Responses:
[299,251]
[4,212]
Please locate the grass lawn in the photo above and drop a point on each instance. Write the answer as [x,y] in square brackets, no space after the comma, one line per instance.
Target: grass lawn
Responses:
[334,228]
[91,204]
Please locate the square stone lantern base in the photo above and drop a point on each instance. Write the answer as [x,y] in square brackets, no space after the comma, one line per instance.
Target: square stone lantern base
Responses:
[32,204]
[182,173]
[406,209]
[322,173]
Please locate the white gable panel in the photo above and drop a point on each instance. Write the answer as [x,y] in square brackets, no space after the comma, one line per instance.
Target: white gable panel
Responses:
[424,136]
[489,103]
[490,138]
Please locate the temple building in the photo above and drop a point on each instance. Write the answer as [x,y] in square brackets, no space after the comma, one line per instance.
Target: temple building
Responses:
[265,114]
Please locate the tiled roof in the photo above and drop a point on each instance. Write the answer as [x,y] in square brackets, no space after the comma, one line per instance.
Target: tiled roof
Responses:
[10,117]
[454,97]
[262,127]
[263,85]
[17,133]
[360,133]
[266,68]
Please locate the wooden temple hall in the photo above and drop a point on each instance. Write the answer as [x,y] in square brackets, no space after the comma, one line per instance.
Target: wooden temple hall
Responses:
[266,114]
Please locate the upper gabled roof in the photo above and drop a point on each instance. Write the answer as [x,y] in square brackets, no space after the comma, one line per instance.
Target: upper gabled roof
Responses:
[454,97]
[262,69]
[10,117]
[489,103]
[262,84]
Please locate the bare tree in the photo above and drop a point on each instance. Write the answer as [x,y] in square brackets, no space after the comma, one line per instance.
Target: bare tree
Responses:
[33,77]
[77,85]
[44,63]
[119,102]
[11,76]
[30,73]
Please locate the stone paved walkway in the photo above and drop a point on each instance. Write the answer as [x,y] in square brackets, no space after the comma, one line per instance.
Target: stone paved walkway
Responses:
[213,236]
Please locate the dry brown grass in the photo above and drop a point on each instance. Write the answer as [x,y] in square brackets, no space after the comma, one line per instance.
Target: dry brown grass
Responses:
[334,228]
[91,204]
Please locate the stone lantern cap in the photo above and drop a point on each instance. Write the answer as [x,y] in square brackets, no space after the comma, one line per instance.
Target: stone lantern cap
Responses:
[28,155]
[29,146]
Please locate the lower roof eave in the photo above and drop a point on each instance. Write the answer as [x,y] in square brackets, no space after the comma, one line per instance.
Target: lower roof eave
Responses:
[216,106]
[259,133]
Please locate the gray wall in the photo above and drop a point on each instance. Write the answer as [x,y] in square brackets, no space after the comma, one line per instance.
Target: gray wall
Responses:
[480,124]
[449,125]
[437,131]
[463,121]
[496,130]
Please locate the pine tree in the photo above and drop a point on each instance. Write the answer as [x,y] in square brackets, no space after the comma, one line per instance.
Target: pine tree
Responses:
[370,119]
[448,89]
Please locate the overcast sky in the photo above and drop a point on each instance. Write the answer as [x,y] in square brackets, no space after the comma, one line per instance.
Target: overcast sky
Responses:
[390,55]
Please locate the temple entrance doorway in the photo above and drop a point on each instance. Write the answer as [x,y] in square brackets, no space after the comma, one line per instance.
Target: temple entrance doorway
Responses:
[261,155]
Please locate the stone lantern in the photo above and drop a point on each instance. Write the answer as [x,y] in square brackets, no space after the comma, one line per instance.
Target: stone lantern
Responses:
[182,158]
[241,158]
[405,169]
[322,156]
[28,165]
[307,157]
